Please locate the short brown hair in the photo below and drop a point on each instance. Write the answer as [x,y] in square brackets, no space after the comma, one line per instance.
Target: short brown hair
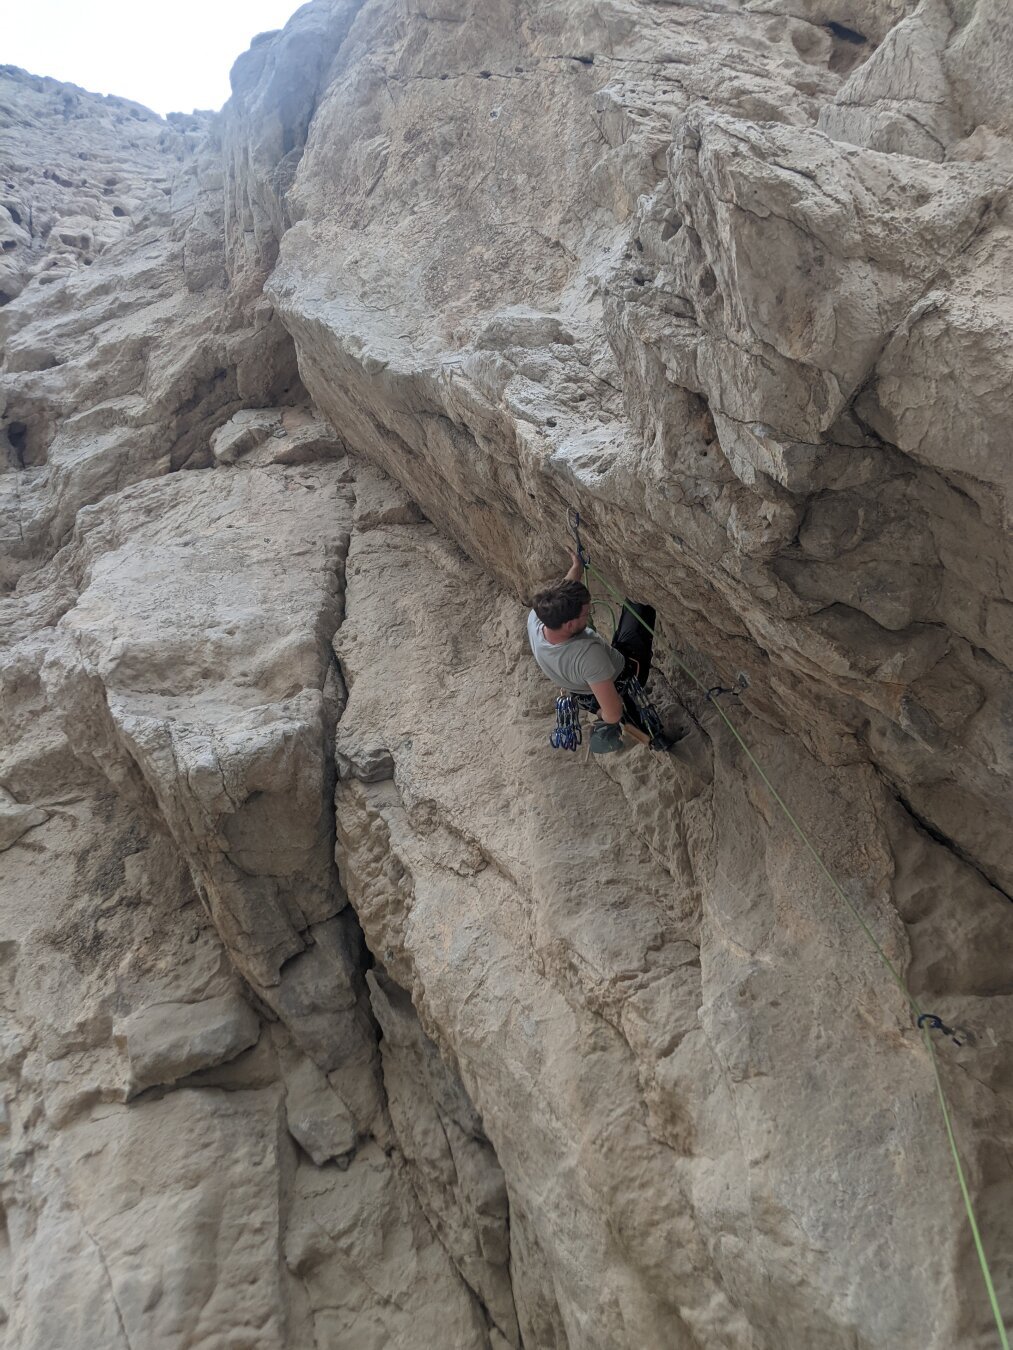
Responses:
[560,603]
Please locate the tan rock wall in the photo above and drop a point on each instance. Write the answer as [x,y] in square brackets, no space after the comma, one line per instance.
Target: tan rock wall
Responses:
[338,1010]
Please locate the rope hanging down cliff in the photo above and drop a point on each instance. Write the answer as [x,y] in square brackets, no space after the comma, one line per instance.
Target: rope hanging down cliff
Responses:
[925,1021]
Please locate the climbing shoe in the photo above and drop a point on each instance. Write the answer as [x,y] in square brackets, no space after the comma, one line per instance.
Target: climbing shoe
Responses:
[606,737]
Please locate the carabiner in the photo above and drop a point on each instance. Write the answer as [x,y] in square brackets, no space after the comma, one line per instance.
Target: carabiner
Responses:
[573,524]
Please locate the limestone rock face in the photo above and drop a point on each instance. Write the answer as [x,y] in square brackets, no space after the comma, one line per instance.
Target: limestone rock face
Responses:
[689,1102]
[338,1009]
[121,352]
[169,1041]
[80,174]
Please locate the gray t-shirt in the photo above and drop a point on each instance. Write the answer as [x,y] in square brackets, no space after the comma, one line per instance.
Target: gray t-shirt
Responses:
[580,661]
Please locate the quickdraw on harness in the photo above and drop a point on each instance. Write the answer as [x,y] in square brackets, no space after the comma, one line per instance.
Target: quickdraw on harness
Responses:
[633,691]
[567,733]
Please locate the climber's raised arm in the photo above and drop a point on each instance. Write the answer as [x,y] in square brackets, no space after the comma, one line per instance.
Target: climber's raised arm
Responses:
[576,571]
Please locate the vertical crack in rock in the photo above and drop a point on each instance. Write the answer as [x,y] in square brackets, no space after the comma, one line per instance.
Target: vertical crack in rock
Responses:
[451,1164]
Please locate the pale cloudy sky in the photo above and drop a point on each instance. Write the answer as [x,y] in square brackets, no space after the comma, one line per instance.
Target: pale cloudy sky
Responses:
[171,57]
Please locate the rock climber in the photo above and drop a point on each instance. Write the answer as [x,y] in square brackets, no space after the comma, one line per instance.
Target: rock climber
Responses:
[579,660]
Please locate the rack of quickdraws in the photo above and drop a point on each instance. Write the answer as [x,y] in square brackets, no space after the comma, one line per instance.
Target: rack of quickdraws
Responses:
[566,735]
[633,690]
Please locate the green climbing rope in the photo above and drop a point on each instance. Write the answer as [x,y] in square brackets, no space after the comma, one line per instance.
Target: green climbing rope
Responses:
[923,1019]
[600,604]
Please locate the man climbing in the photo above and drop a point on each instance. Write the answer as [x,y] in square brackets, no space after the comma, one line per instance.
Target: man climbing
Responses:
[578,660]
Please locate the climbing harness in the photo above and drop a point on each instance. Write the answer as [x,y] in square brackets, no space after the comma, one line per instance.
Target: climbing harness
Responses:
[925,1021]
[567,733]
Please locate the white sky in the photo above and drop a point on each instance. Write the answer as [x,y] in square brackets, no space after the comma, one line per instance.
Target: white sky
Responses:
[172,57]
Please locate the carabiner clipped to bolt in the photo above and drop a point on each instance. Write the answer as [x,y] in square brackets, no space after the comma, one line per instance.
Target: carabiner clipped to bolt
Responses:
[934,1023]
[573,524]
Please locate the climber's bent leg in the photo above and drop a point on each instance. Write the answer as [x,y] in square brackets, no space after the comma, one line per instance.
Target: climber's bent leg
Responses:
[634,641]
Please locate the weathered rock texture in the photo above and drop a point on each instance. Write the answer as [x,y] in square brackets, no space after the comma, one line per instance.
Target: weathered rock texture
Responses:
[338,1010]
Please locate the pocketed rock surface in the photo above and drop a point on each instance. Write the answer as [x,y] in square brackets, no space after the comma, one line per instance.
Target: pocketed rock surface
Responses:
[338,1009]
